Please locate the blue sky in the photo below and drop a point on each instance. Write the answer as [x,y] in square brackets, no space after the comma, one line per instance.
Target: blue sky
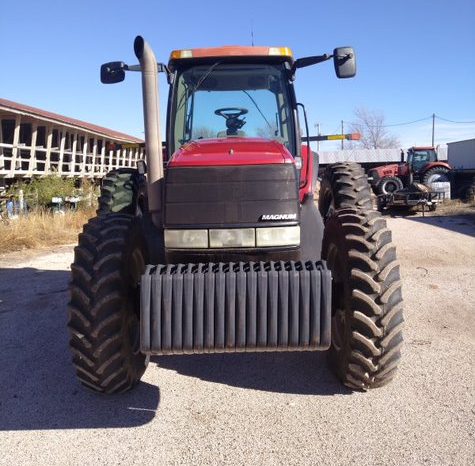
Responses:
[415,57]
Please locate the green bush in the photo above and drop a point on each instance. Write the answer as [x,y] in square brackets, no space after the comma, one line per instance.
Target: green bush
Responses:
[39,191]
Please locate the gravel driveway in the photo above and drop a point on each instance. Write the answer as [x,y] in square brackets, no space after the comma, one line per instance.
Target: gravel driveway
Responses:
[247,409]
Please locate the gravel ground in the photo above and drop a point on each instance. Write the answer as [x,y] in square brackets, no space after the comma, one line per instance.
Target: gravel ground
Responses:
[247,409]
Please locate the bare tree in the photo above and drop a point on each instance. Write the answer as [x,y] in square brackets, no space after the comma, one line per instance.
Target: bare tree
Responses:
[203,132]
[270,131]
[371,126]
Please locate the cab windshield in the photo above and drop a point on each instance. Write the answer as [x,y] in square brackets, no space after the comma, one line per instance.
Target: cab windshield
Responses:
[418,158]
[228,101]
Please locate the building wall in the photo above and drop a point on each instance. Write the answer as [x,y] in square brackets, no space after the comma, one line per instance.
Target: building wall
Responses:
[462,154]
[32,146]
[370,156]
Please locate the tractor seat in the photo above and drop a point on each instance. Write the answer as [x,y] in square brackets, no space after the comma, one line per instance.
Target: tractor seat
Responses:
[223,134]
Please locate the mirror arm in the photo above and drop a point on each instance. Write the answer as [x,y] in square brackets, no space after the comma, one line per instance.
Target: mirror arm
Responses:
[307,61]
[161,68]
[110,69]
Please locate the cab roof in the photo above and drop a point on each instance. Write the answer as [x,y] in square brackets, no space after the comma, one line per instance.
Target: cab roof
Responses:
[229,52]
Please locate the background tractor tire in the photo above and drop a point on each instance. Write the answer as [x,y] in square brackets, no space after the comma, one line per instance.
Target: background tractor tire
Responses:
[343,185]
[120,191]
[436,174]
[467,192]
[104,304]
[389,184]
[367,302]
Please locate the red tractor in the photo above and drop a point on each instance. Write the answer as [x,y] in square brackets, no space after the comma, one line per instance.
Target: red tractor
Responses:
[223,249]
[422,166]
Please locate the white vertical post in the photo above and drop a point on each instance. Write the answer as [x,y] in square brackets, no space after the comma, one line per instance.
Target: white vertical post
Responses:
[16,139]
[34,136]
[72,168]
[94,155]
[103,157]
[62,144]
[49,143]
[136,155]
[84,155]
[2,162]
[111,159]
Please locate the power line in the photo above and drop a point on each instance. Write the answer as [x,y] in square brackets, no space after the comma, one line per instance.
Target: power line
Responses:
[407,122]
[397,124]
[415,121]
[456,122]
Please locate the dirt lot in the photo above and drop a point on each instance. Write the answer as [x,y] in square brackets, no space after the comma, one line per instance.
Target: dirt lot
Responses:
[247,409]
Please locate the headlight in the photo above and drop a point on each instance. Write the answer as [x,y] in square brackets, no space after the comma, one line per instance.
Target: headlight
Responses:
[232,238]
[235,238]
[278,236]
[186,239]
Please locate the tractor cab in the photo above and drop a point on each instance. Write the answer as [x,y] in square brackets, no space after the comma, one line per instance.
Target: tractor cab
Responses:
[419,157]
[231,93]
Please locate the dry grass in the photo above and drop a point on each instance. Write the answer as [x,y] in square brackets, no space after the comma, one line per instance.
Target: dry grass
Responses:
[42,229]
[455,207]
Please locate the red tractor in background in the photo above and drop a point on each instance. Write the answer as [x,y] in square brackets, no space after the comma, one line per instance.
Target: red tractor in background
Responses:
[422,166]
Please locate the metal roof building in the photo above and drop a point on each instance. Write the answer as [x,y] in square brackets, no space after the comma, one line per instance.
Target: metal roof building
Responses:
[35,142]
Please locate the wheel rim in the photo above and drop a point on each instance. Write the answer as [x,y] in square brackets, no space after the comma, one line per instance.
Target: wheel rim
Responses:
[391,187]
[339,322]
[136,268]
[329,205]
[438,178]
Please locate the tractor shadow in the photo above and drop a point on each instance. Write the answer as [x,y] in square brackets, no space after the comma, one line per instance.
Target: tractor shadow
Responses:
[302,373]
[463,224]
[38,388]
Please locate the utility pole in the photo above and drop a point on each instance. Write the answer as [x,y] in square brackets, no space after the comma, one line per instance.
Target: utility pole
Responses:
[433,128]
[342,133]
[317,126]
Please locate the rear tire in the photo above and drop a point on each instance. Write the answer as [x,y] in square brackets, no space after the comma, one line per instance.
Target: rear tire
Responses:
[120,192]
[367,302]
[343,185]
[389,184]
[436,174]
[104,306]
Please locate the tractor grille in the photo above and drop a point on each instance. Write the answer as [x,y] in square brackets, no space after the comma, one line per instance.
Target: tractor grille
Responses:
[230,197]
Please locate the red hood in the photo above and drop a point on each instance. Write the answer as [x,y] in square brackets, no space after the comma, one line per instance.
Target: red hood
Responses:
[230,151]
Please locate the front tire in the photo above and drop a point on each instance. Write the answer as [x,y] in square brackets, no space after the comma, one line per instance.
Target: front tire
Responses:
[389,185]
[104,305]
[367,302]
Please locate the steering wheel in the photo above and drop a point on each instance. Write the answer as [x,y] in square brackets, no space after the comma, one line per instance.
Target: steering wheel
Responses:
[231,112]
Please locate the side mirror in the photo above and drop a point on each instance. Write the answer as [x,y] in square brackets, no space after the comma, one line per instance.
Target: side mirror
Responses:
[344,61]
[113,72]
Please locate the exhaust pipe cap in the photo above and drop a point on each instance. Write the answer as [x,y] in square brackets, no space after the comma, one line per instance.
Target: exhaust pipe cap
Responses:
[139,44]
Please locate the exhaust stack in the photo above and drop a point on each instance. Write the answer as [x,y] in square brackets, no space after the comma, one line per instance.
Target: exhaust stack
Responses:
[153,139]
